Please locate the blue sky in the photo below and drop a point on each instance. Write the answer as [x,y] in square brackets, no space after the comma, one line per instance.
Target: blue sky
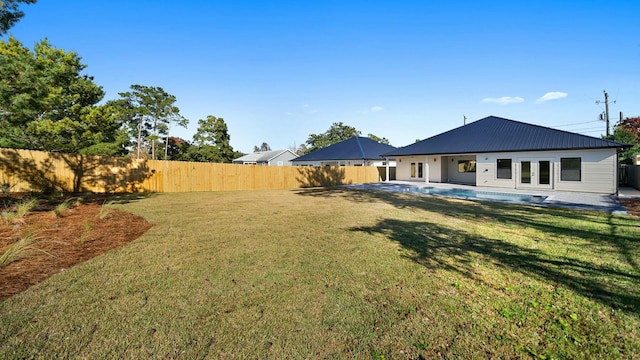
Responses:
[277,71]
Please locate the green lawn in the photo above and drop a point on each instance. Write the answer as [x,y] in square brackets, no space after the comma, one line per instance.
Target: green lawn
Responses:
[342,274]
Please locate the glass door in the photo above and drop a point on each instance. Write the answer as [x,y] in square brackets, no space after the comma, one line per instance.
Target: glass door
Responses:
[417,170]
[535,173]
[525,172]
[544,171]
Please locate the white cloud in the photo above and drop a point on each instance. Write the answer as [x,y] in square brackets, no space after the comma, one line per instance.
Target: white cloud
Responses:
[503,100]
[372,109]
[554,95]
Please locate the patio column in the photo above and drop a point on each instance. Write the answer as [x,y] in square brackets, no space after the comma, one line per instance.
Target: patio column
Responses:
[426,169]
[386,169]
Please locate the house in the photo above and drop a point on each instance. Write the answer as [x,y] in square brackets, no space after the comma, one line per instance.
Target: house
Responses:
[502,153]
[356,151]
[268,158]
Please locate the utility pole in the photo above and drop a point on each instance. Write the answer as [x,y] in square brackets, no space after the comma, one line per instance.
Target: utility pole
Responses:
[620,122]
[606,110]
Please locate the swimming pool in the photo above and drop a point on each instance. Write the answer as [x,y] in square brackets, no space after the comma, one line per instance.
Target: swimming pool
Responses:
[469,194]
[480,195]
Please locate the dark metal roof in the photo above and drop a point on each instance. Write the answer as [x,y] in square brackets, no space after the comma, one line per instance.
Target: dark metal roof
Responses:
[494,134]
[356,148]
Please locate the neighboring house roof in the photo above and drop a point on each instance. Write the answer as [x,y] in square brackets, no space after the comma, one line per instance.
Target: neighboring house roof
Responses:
[262,156]
[495,134]
[356,148]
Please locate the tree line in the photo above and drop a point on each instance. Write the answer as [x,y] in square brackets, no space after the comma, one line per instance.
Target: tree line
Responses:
[47,103]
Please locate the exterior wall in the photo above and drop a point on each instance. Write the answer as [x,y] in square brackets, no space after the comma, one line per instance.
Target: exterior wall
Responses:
[403,168]
[598,170]
[283,159]
[435,170]
[440,169]
[454,176]
[377,163]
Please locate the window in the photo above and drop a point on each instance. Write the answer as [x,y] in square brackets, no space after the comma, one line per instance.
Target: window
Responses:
[466,166]
[570,169]
[504,169]
[420,170]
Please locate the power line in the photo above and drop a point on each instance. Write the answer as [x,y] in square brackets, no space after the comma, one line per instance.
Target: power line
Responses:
[585,129]
[580,123]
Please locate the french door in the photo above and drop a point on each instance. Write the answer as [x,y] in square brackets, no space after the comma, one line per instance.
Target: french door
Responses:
[536,173]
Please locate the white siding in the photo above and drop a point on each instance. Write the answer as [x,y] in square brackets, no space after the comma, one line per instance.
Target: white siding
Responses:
[599,169]
[435,169]
[460,177]
[403,167]
[378,163]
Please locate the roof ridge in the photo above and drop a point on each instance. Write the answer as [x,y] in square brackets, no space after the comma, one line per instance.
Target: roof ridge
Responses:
[546,128]
[360,147]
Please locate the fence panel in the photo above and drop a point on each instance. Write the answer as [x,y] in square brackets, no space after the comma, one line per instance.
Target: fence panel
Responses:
[633,176]
[28,170]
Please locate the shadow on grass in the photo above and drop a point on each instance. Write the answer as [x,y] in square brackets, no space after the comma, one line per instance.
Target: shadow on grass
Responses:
[436,245]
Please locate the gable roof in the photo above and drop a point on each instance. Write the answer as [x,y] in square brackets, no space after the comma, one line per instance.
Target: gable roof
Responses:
[355,148]
[495,134]
[262,156]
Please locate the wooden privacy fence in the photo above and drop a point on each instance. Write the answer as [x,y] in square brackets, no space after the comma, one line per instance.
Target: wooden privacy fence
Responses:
[28,170]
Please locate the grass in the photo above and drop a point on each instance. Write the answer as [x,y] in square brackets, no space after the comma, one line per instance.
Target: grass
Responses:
[59,210]
[22,208]
[342,274]
[86,232]
[105,210]
[17,250]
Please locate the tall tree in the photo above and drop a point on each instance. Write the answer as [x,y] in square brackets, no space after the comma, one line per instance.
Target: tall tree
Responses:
[10,14]
[337,132]
[628,132]
[109,133]
[378,139]
[150,111]
[177,148]
[211,141]
[263,147]
[298,150]
[631,124]
[46,103]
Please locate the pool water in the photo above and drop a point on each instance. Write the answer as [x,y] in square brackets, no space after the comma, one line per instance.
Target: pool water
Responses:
[481,195]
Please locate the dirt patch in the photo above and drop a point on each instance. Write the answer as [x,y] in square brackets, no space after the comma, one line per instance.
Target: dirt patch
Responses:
[632,205]
[85,230]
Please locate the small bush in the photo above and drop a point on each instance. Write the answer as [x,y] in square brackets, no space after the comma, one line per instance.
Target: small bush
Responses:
[23,207]
[18,250]
[105,211]
[59,210]
[85,234]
